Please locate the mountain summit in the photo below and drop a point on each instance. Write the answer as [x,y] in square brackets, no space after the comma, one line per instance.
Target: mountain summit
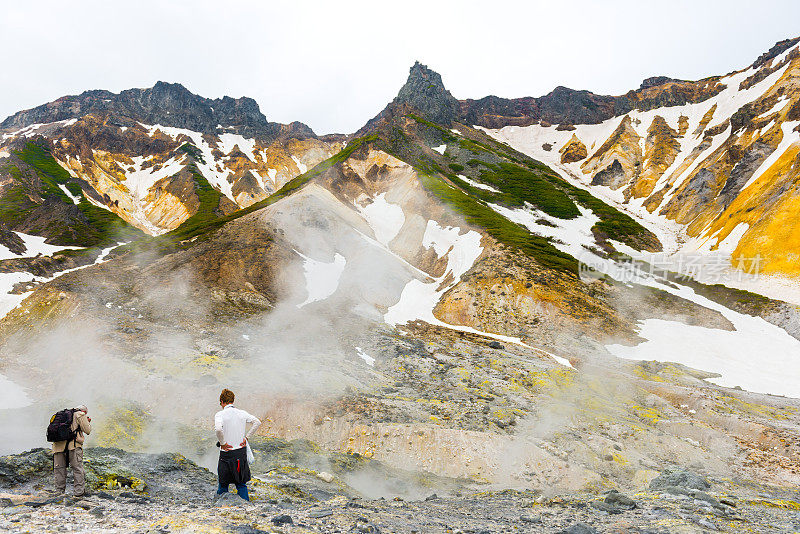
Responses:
[424,95]
[425,92]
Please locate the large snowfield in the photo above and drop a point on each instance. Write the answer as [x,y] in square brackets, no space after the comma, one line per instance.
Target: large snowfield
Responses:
[757,356]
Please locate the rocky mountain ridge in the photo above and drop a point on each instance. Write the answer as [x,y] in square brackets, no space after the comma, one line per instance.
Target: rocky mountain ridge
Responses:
[168,104]
[569,106]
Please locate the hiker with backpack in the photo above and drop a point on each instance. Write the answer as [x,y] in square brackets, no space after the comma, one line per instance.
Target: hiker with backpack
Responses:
[230,425]
[67,431]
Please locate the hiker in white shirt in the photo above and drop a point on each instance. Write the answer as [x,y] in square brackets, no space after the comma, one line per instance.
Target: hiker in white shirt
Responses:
[230,424]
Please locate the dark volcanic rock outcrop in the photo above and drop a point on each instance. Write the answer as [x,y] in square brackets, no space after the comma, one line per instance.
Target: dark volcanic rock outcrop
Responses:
[565,105]
[11,241]
[425,92]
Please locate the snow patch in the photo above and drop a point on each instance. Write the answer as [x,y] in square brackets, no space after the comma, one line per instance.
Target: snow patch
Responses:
[384,218]
[140,179]
[322,279]
[259,179]
[33,129]
[34,245]
[10,301]
[479,185]
[75,200]
[228,141]
[366,357]
[573,236]
[300,165]
[440,149]
[782,56]
[789,138]
[778,106]
[563,361]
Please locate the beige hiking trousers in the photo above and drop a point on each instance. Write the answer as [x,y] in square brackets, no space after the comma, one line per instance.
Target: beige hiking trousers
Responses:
[78,474]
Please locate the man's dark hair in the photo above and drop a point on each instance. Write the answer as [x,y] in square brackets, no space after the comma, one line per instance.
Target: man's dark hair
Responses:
[226,397]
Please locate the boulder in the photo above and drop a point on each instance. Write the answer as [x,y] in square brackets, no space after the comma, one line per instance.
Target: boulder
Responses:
[615,503]
[282,519]
[679,477]
[573,151]
[325,476]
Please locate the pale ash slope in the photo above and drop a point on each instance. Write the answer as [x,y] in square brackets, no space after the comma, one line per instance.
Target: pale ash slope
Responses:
[723,170]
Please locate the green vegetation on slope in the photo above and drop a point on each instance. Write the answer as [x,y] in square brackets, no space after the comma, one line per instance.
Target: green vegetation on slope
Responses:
[519,185]
[206,213]
[522,179]
[499,227]
[101,227]
[192,151]
[15,203]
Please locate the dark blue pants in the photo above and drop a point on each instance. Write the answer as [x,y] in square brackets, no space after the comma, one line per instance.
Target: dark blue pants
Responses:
[241,490]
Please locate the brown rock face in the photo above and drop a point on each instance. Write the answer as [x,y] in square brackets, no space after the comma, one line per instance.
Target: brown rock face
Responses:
[618,159]
[573,151]
[661,149]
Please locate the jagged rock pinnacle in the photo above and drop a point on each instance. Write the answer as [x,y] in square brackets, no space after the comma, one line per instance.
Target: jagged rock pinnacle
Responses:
[425,92]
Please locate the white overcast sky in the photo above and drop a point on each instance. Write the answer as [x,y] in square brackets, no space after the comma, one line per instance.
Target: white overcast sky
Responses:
[335,64]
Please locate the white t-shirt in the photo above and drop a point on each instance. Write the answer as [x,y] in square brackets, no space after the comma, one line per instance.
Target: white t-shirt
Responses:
[230,424]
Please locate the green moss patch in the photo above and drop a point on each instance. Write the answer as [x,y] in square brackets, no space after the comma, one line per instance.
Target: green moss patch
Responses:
[519,186]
